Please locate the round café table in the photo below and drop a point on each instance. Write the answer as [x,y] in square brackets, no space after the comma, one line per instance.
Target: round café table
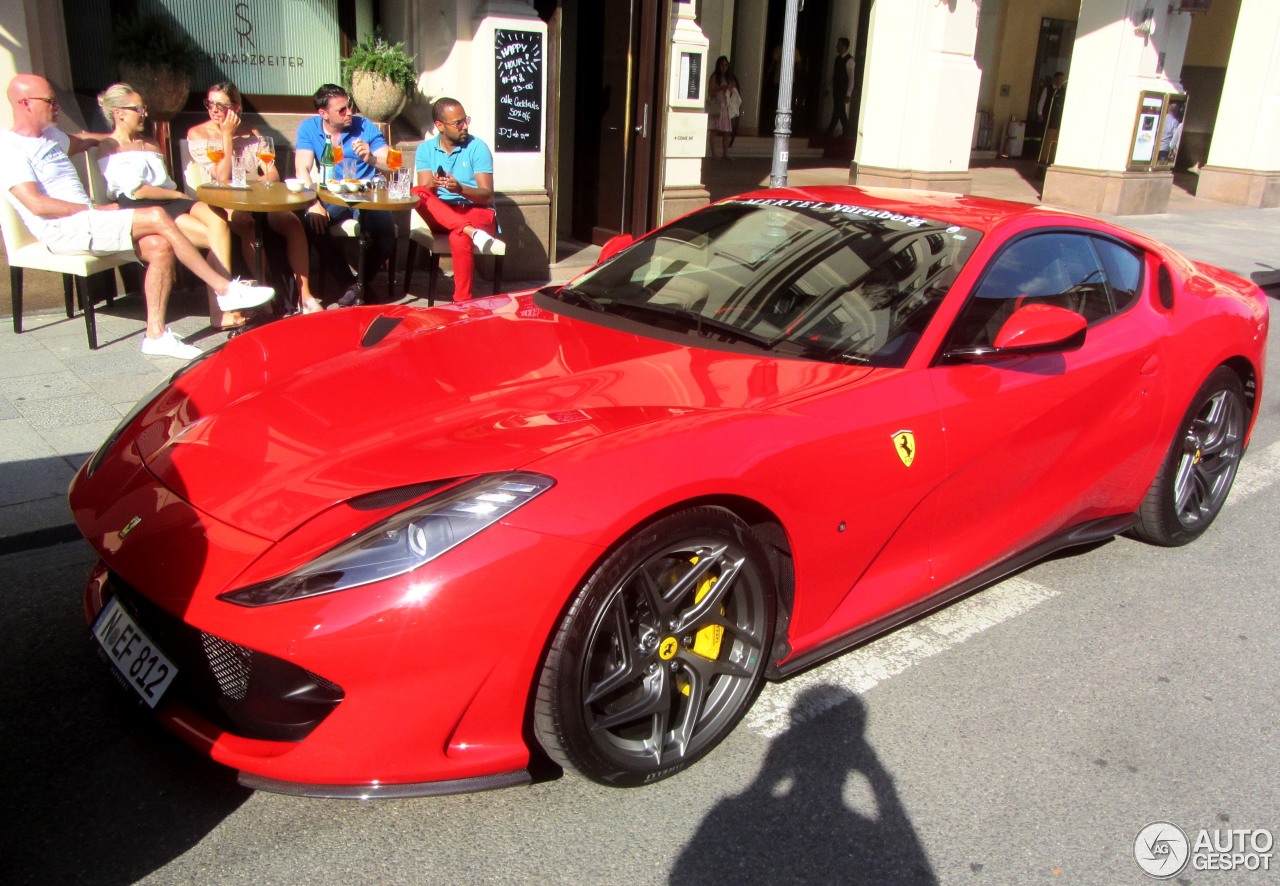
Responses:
[259,198]
[369,199]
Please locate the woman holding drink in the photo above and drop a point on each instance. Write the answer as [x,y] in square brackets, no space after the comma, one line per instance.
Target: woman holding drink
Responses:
[136,175]
[213,144]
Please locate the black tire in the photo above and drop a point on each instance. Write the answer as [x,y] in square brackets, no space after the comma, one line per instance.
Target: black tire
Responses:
[637,684]
[1201,464]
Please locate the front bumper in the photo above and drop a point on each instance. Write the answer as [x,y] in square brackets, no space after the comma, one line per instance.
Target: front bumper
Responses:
[411,687]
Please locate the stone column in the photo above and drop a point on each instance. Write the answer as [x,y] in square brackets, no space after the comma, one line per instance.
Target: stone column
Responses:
[686,118]
[1244,157]
[520,177]
[1119,53]
[919,96]
[35,42]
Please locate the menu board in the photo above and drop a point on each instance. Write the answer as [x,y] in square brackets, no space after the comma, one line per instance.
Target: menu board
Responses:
[518,90]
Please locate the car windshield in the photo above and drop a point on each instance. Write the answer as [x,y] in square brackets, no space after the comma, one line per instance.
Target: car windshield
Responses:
[826,281]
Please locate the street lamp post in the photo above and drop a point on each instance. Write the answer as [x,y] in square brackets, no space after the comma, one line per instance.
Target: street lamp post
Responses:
[782,120]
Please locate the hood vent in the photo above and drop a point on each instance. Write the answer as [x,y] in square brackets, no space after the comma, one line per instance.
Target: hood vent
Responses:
[378,330]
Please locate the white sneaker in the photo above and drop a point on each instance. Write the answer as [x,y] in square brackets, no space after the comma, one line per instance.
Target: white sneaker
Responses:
[483,242]
[241,296]
[167,345]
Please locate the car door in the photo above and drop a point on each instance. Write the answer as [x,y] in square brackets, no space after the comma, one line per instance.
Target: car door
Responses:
[1037,443]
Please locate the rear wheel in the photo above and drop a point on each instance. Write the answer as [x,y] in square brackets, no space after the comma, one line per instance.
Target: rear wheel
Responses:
[1201,464]
[662,651]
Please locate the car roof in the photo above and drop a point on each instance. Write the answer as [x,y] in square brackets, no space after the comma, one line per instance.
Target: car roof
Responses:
[980,213]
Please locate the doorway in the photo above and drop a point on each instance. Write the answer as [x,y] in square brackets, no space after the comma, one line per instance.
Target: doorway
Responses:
[812,37]
[1053,55]
[608,117]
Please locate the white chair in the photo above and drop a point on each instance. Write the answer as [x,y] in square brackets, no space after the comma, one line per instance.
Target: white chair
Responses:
[422,237]
[192,172]
[25,251]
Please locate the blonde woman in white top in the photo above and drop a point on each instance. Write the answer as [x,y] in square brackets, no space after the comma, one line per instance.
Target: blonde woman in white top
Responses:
[136,174]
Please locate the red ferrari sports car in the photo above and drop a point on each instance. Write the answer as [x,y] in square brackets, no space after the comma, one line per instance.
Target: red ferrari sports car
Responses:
[395,551]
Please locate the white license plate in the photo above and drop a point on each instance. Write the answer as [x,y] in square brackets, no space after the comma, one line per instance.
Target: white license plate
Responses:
[139,661]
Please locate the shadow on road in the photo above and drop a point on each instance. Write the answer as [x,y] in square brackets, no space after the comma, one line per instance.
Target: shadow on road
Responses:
[823,809]
[96,792]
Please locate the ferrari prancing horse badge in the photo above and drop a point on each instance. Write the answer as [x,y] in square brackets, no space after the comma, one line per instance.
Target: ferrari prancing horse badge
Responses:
[904,443]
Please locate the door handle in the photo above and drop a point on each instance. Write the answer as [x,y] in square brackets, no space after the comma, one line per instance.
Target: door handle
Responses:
[643,129]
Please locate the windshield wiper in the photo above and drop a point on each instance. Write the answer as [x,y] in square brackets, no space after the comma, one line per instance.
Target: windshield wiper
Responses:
[579,298]
[701,325]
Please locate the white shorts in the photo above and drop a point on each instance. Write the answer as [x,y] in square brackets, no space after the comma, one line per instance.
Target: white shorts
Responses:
[94,231]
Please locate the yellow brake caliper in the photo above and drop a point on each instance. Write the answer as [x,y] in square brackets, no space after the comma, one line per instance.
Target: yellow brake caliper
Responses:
[707,641]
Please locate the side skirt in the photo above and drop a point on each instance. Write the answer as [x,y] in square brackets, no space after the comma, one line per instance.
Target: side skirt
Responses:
[385,791]
[1083,534]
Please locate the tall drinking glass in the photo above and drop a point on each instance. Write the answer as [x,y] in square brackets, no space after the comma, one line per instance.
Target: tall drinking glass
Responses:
[237,169]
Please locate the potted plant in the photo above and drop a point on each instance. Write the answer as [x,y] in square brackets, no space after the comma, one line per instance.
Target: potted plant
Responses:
[156,58]
[380,76]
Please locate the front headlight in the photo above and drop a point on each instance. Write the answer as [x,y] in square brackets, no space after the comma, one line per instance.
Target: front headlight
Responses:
[402,542]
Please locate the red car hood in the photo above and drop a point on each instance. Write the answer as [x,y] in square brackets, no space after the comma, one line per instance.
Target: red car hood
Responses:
[293,418]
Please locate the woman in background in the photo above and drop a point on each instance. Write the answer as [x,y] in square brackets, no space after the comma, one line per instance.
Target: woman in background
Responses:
[724,103]
[136,175]
[225,129]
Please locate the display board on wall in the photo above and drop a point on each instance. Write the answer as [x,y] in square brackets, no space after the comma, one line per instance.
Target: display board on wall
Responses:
[518,79]
[1157,131]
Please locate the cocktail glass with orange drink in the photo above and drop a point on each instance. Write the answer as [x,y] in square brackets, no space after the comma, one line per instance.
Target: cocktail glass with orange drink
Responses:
[395,159]
[213,150]
[267,154]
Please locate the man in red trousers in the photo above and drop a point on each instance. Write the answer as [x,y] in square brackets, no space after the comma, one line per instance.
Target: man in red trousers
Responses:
[455,190]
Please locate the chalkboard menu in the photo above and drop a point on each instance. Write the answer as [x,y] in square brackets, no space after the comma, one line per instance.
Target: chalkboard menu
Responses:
[518,88]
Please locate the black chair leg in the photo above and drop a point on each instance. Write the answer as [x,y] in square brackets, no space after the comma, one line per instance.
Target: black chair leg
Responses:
[433,273]
[391,272]
[410,258]
[497,273]
[68,295]
[15,295]
[86,305]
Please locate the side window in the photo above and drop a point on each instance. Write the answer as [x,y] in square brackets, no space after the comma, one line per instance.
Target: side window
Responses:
[1124,272]
[1058,268]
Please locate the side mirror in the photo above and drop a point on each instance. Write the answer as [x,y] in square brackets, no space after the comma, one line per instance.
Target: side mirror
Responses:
[1041,329]
[613,246]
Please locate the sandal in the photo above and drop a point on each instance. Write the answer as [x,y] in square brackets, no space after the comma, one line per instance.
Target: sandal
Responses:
[231,327]
[311,306]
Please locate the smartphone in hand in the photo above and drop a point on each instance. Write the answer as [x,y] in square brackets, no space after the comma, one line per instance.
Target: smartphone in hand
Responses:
[440,171]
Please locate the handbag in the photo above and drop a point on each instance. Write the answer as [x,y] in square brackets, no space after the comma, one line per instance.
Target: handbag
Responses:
[735,103]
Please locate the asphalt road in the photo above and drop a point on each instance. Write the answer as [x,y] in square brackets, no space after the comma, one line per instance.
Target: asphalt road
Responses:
[1024,735]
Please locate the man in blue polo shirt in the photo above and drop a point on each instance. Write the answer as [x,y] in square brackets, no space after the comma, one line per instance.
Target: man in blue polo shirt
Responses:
[335,124]
[455,190]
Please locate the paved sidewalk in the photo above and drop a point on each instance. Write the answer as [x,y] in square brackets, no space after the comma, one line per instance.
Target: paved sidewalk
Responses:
[59,400]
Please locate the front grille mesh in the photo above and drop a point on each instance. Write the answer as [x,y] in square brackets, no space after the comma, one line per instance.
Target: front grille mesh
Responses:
[244,691]
[229,663]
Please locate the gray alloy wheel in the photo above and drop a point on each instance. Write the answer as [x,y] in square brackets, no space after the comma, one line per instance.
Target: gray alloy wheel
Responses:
[1197,473]
[661,652]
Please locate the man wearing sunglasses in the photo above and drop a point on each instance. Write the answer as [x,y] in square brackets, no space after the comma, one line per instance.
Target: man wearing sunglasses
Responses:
[455,190]
[336,124]
[37,177]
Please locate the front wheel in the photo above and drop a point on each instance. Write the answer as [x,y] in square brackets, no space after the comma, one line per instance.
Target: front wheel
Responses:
[661,652]
[1197,473]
